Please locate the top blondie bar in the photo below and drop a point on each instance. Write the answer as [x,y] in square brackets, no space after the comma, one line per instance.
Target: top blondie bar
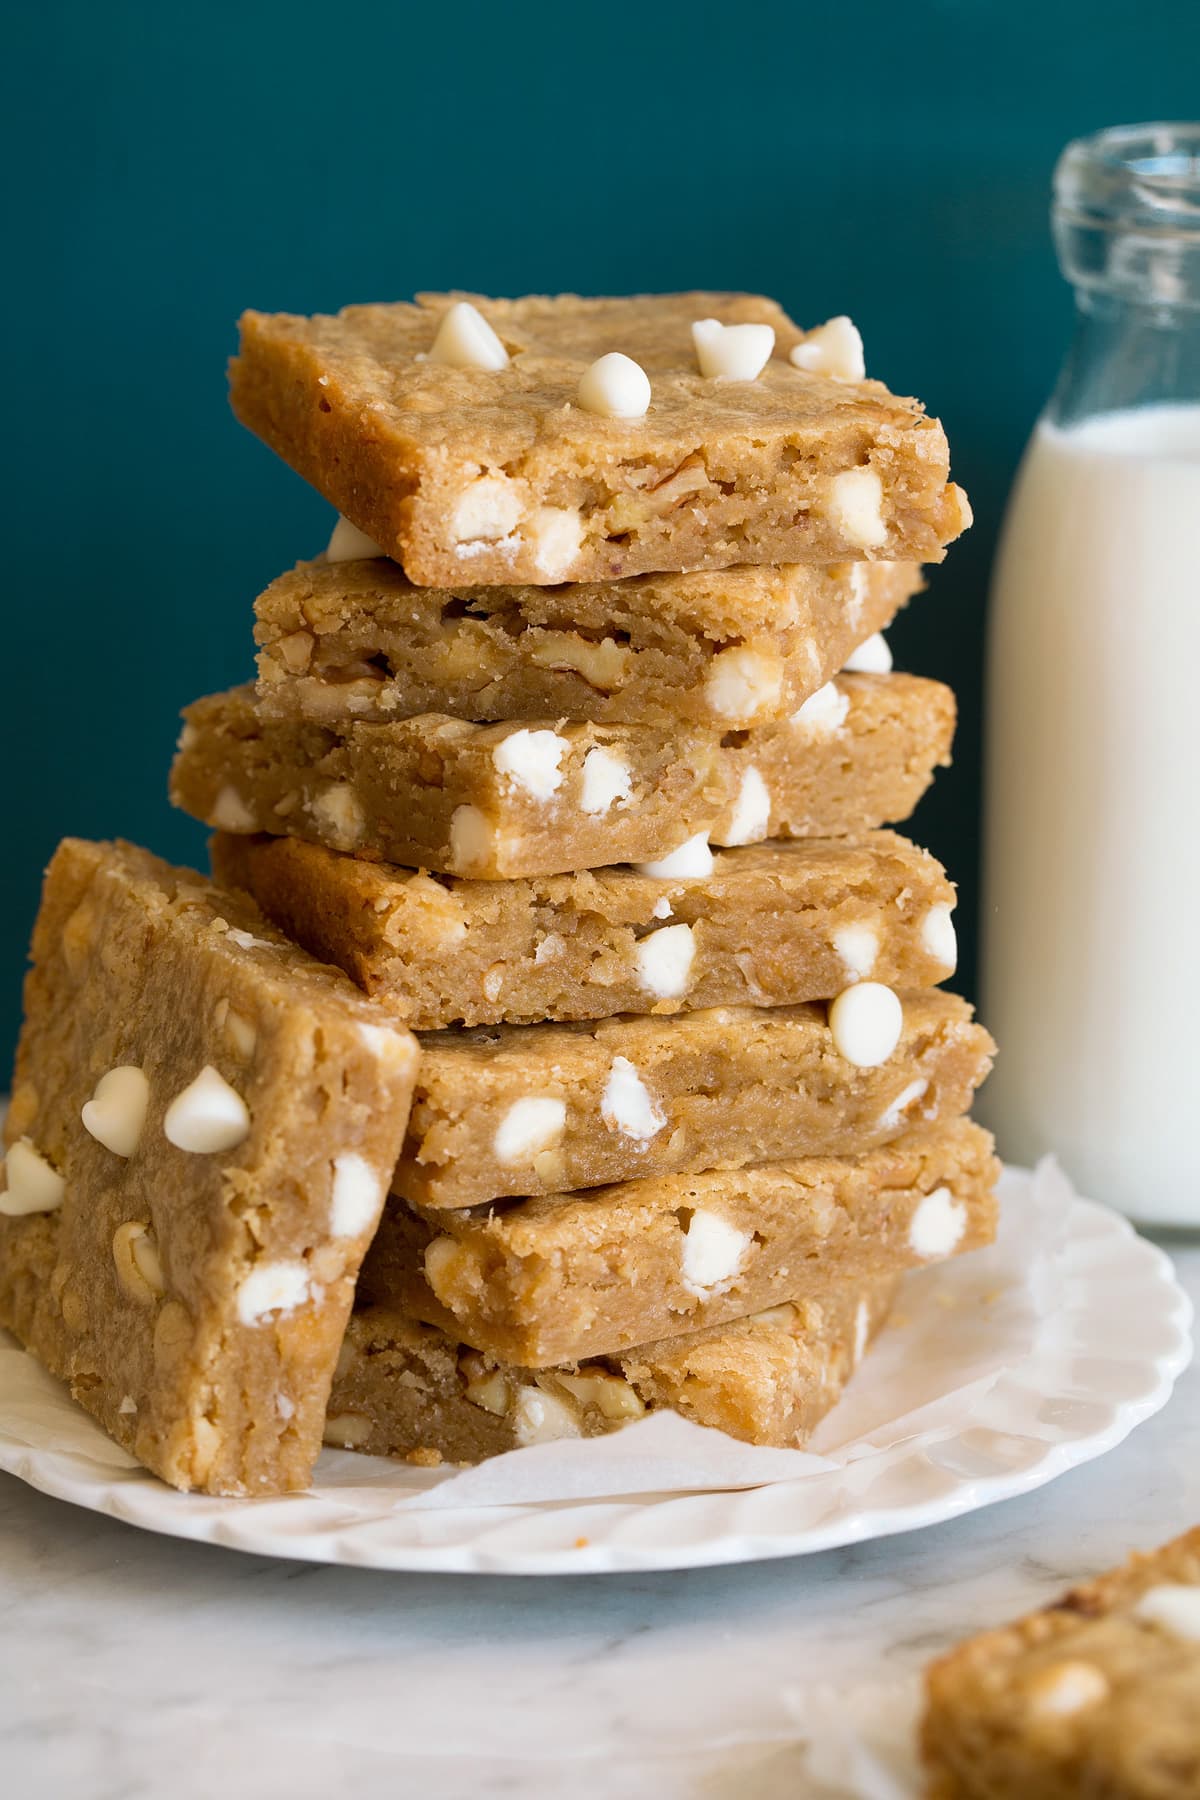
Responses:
[475,438]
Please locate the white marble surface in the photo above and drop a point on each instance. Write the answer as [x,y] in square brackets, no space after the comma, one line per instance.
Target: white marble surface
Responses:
[133,1667]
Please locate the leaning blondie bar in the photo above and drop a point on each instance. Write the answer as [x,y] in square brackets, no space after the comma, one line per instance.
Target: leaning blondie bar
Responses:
[539,1109]
[503,474]
[571,1276]
[508,800]
[767,925]
[406,1389]
[203,1126]
[1097,1694]
[356,640]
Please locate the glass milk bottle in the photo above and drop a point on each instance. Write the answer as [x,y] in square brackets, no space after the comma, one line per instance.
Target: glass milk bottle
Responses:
[1091,907]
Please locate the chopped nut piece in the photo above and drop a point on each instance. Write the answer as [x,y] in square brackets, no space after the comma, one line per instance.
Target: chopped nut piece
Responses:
[139,1269]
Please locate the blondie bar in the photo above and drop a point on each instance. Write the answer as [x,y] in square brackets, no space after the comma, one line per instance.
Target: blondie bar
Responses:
[1097,1694]
[554,1280]
[203,1126]
[539,1109]
[516,459]
[406,1389]
[545,798]
[767,925]
[355,640]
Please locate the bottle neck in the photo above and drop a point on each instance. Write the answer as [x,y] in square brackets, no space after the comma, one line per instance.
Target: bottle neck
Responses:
[1124,354]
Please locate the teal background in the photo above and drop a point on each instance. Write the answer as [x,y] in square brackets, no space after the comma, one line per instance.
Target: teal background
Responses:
[169,165]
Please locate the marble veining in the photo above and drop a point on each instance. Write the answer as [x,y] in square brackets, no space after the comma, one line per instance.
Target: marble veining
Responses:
[134,1667]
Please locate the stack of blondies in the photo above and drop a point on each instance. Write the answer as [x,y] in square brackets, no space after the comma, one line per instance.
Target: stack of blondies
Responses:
[572,754]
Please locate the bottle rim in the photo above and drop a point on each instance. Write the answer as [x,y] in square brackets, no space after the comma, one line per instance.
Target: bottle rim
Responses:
[1132,178]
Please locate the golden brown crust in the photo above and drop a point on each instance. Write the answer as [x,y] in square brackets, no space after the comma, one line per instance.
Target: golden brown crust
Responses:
[716,473]
[402,792]
[147,1288]
[765,927]
[576,1275]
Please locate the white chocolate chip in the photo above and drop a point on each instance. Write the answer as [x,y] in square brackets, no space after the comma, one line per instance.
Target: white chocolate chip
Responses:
[834,349]
[1174,1607]
[862,1331]
[246,940]
[346,1431]
[338,812]
[713,1250]
[693,861]
[530,760]
[872,657]
[207,1116]
[472,839]
[854,507]
[387,1045]
[750,821]
[865,1022]
[555,535]
[230,812]
[613,1398]
[742,683]
[128,1405]
[356,1198]
[240,1033]
[540,1418]
[285,1407]
[858,947]
[550,947]
[33,1185]
[626,1105]
[487,510]
[615,387]
[662,908]
[664,961]
[939,937]
[1067,1687]
[937,1225]
[732,352]
[893,1118]
[116,1112]
[605,780]
[349,544]
[273,1287]
[529,1126]
[465,340]
[824,712]
[138,1265]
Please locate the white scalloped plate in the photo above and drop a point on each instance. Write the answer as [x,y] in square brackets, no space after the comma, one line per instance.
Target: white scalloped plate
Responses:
[1103,1357]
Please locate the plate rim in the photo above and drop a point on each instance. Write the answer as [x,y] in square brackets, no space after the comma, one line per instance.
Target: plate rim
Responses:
[228,1524]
